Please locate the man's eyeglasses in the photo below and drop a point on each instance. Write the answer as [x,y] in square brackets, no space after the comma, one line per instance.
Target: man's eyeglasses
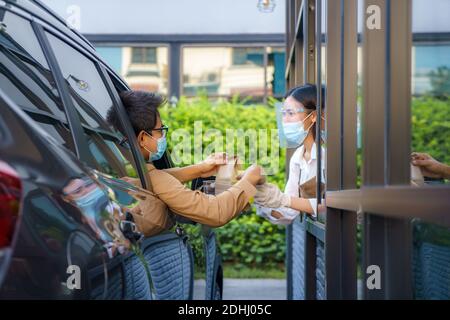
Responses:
[163,129]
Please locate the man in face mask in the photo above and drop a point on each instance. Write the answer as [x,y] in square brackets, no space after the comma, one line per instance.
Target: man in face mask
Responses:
[153,142]
[168,189]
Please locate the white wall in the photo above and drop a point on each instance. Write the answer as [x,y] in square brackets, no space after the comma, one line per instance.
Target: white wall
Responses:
[172,16]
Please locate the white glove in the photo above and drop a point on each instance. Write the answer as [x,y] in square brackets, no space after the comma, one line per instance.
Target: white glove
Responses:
[268,195]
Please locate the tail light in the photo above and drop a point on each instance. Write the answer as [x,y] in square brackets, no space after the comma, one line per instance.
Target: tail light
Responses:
[10,194]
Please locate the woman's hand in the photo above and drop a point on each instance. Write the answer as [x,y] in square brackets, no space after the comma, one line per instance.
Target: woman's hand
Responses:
[270,196]
[211,164]
[253,174]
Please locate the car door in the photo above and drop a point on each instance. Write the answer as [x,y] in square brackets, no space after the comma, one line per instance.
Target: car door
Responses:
[65,221]
[47,246]
[109,153]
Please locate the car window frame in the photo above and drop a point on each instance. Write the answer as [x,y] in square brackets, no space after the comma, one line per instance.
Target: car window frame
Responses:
[76,127]
[33,113]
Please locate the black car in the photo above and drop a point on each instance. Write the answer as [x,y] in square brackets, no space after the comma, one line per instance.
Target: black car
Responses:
[65,230]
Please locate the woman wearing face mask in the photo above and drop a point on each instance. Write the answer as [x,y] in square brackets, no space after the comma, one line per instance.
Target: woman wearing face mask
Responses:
[298,120]
[168,188]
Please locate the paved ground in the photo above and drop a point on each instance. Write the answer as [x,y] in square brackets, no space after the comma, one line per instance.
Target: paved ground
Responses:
[246,289]
[252,289]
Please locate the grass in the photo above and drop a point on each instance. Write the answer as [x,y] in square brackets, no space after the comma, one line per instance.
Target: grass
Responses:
[237,271]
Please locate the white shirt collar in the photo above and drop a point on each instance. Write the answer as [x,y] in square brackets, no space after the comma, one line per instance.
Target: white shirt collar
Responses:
[298,158]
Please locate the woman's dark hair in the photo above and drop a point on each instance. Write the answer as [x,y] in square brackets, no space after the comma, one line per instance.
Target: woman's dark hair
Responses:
[307,96]
[141,108]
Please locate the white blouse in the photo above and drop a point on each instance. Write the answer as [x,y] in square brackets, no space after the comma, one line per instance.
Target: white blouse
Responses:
[300,171]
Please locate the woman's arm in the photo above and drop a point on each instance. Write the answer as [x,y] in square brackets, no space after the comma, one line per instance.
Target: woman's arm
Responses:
[268,195]
[301,204]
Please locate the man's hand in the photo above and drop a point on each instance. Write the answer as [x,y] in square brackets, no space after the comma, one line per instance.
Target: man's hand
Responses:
[430,167]
[211,164]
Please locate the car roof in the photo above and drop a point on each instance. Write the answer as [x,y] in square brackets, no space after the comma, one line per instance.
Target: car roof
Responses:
[40,11]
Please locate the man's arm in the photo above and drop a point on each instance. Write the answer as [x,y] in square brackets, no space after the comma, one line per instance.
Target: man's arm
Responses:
[204,169]
[214,211]
[185,174]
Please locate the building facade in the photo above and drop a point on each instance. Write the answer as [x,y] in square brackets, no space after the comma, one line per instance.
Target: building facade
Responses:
[223,48]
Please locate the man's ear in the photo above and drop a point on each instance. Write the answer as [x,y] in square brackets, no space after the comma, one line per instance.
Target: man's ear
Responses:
[141,138]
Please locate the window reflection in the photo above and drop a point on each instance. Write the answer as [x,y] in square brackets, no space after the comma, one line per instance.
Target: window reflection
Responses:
[24,73]
[431,70]
[92,101]
[223,71]
[143,67]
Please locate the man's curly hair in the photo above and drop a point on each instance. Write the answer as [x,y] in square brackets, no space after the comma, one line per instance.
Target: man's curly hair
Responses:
[141,108]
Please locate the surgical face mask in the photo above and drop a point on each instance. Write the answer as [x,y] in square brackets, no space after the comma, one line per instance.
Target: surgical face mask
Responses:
[295,132]
[161,148]
[90,198]
[93,205]
[91,202]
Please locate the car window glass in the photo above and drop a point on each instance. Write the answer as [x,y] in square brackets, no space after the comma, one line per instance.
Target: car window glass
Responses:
[24,72]
[92,101]
[26,78]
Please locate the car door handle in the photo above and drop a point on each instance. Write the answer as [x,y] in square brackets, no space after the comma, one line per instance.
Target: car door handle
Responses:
[130,231]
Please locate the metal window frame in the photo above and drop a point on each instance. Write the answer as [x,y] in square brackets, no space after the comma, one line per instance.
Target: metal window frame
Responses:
[73,119]
[81,146]
[341,96]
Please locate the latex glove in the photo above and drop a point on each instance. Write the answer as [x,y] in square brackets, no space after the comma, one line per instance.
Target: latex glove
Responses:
[270,196]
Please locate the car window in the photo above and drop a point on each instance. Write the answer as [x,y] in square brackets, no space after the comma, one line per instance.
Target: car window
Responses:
[92,102]
[26,78]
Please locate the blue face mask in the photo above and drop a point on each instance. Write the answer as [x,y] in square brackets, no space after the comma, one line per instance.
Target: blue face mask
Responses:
[295,133]
[90,199]
[161,148]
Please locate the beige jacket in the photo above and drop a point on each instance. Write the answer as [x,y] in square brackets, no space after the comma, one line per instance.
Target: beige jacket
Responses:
[151,215]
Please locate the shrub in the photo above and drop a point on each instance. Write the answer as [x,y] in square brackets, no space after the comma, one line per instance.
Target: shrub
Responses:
[431,127]
[248,239]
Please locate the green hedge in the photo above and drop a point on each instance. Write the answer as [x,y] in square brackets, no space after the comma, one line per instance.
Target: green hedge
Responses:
[251,240]
[431,127]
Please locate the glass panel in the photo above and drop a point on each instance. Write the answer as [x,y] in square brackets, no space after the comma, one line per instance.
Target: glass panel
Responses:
[431,261]
[223,71]
[92,101]
[430,125]
[144,68]
[430,108]
[86,87]
[24,72]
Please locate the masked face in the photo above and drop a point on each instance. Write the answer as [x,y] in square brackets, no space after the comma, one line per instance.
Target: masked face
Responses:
[295,132]
[161,146]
